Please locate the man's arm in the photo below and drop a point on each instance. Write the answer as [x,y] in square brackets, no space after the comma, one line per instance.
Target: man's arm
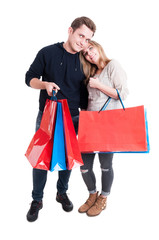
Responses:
[48,86]
[35,72]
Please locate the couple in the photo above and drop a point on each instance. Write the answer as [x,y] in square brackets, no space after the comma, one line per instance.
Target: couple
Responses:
[80,72]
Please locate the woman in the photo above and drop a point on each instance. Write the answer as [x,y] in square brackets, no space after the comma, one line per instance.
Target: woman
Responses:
[103,77]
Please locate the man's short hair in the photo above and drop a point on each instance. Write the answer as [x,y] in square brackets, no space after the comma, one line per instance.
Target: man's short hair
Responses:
[78,22]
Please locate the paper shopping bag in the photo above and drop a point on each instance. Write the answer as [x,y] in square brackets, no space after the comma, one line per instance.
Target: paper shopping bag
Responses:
[58,161]
[39,151]
[73,155]
[113,131]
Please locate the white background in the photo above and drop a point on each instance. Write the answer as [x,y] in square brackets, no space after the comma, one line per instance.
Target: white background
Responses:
[128,32]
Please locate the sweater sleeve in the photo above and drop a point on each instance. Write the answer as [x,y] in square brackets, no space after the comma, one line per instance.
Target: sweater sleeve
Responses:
[36,69]
[118,78]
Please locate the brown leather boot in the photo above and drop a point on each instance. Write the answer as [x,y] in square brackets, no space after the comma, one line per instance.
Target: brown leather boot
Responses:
[98,206]
[89,203]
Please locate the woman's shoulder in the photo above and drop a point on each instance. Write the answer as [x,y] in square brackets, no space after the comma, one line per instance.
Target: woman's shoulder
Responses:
[111,66]
[113,63]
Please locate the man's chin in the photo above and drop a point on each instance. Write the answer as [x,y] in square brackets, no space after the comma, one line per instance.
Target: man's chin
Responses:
[79,49]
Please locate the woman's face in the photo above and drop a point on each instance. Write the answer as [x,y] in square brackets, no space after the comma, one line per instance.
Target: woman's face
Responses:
[91,54]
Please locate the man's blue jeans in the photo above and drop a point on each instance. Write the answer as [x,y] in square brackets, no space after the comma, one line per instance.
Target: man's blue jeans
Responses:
[40,176]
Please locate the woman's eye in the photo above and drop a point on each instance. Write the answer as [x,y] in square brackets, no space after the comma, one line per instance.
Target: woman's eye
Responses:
[85,54]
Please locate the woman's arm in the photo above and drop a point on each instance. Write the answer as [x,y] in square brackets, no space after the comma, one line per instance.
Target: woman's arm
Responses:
[109,91]
[118,79]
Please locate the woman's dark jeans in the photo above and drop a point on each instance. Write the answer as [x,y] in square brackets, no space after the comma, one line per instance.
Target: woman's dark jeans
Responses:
[107,173]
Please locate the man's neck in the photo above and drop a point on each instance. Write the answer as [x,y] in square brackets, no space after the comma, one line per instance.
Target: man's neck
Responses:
[67,47]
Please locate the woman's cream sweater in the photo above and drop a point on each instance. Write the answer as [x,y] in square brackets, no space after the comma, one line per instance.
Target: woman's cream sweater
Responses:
[113,76]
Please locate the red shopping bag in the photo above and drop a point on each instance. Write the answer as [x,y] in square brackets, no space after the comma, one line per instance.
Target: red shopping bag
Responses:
[73,155]
[113,131]
[40,148]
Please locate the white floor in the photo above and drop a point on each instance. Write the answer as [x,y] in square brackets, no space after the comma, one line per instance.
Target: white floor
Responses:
[131,213]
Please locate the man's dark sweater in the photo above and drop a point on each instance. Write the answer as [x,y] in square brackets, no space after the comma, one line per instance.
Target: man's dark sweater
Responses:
[54,64]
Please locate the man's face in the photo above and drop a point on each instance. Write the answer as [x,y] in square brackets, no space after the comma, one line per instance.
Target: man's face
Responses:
[79,39]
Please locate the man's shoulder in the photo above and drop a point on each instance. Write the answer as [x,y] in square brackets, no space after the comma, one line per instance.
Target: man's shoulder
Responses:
[51,47]
[49,51]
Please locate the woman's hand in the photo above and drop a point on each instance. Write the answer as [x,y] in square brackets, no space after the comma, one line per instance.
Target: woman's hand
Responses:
[109,91]
[94,82]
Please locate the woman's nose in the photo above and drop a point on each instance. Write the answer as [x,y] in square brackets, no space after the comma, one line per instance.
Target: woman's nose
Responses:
[89,53]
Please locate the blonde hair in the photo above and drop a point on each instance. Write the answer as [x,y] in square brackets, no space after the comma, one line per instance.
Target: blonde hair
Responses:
[90,69]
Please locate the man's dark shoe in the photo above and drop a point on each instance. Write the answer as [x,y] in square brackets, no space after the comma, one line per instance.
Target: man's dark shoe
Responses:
[33,212]
[64,200]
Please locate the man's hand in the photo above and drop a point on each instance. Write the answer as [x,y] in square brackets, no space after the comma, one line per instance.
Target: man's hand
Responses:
[50,87]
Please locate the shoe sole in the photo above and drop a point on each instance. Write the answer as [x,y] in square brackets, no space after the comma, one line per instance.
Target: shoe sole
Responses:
[65,209]
[96,214]
[36,217]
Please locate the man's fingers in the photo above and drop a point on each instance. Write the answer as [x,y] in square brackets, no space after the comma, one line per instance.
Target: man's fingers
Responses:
[55,86]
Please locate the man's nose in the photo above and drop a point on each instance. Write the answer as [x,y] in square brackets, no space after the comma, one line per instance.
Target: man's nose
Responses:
[84,42]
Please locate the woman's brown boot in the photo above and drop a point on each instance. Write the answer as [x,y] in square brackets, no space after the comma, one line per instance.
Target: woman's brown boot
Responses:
[89,203]
[99,205]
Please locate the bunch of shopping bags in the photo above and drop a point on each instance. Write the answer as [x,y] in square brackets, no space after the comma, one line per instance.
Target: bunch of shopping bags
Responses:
[54,146]
[122,130]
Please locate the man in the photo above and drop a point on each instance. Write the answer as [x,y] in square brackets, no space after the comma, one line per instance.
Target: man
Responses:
[60,69]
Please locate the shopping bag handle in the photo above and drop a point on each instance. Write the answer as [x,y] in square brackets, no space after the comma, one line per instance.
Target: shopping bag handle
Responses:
[54,93]
[108,100]
[54,98]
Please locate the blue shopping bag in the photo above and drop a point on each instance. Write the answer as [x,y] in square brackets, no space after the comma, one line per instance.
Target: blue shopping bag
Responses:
[58,161]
